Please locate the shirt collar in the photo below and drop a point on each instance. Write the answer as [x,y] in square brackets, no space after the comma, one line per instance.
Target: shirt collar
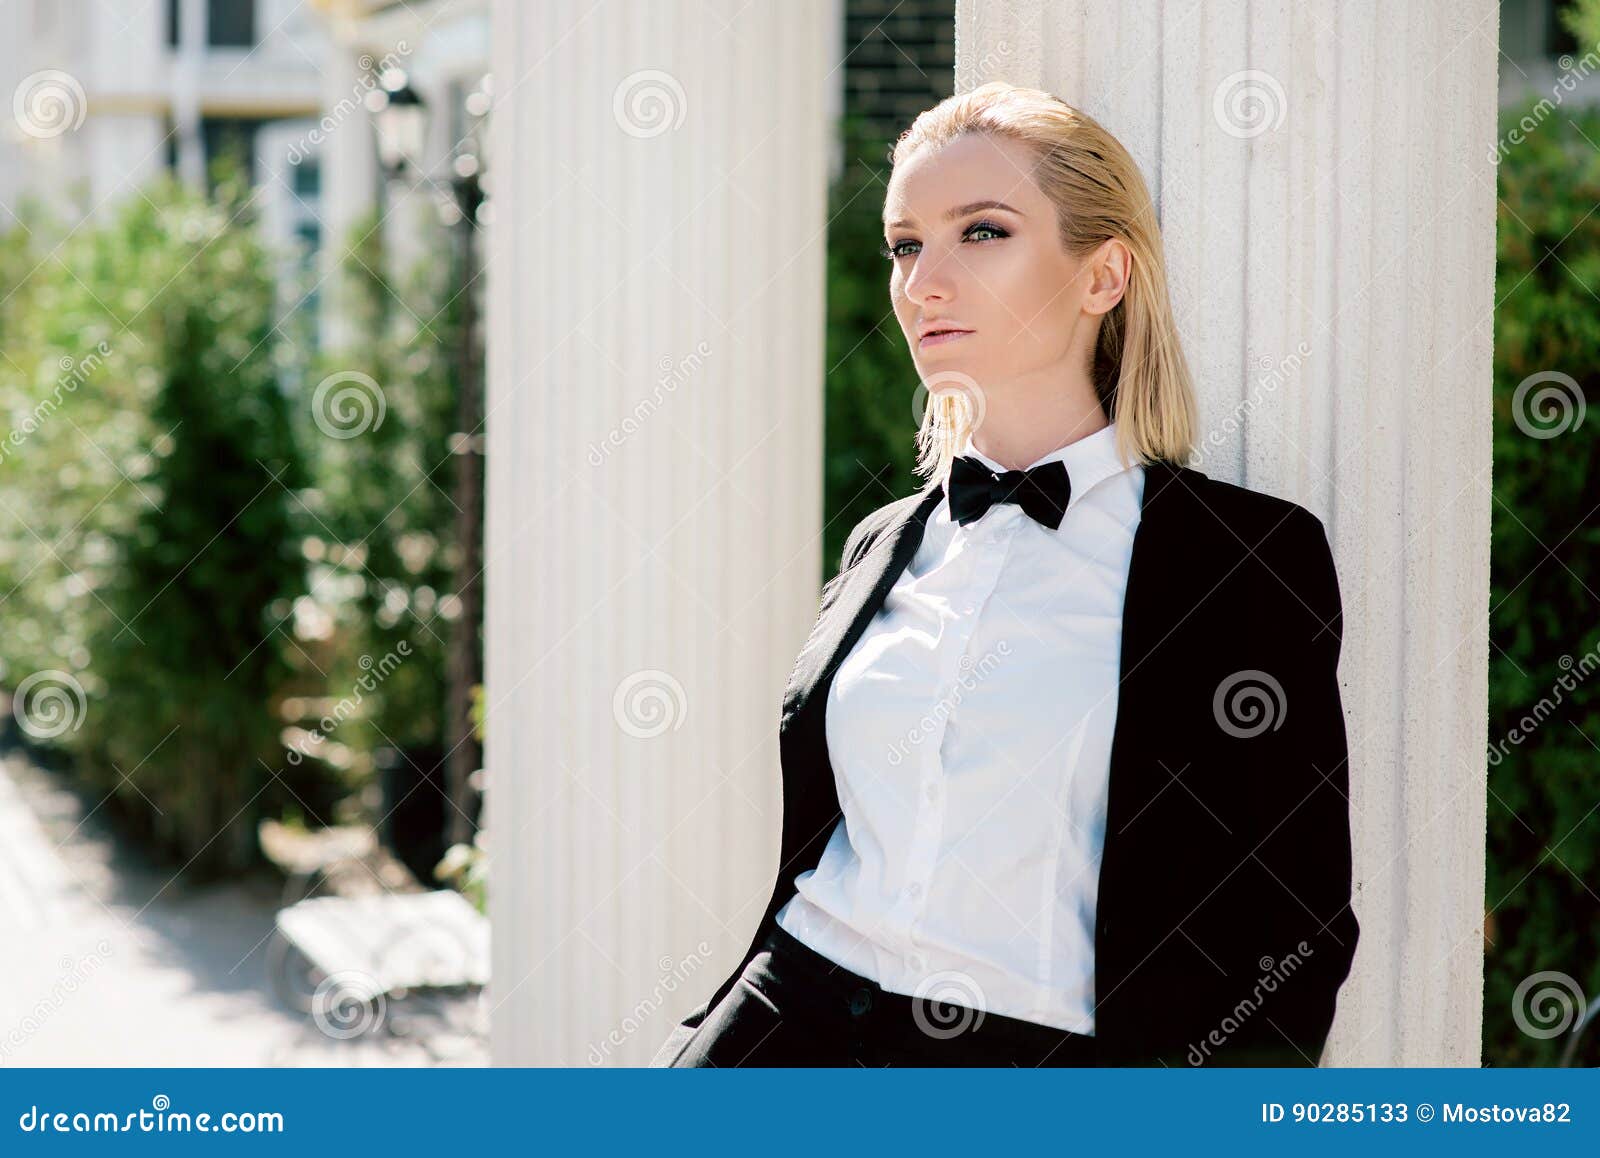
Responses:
[1089,461]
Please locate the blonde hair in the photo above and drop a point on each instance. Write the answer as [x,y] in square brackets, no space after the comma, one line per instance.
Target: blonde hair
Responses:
[1139,371]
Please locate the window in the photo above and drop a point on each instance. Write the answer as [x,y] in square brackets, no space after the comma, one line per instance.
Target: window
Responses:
[307,178]
[1559,38]
[231,23]
[231,137]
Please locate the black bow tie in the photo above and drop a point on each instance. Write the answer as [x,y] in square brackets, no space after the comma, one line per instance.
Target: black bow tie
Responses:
[1042,492]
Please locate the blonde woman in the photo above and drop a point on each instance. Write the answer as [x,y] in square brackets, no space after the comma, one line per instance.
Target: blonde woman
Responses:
[1064,759]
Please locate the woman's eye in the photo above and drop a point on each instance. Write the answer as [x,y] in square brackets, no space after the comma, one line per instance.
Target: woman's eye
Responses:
[978,231]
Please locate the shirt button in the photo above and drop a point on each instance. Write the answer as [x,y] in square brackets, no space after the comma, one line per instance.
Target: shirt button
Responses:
[860,1001]
[914,890]
[933,793]
[918,962]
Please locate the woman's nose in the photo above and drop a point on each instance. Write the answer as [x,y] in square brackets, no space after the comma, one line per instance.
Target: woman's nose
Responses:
[930,279]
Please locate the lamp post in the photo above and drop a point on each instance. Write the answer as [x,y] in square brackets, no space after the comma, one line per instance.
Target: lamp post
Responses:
[400,118]
[400,125]
[465,667]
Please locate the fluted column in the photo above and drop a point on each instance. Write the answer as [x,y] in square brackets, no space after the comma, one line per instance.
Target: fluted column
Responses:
[1324,180]
[654,497]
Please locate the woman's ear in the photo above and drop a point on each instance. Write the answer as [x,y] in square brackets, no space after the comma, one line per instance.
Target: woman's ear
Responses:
[1110,264]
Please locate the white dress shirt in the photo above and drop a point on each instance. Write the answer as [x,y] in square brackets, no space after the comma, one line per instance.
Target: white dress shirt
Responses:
[970,735]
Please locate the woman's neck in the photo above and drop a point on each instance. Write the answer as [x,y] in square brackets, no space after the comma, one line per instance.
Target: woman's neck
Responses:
[1018,440]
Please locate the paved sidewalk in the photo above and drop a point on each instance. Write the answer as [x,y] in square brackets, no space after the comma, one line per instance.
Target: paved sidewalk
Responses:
[109,961]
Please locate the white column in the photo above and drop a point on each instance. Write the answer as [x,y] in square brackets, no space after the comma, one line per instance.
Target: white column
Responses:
[347,157]
[654,498]
[187,64]
[1324,180]
[16,62]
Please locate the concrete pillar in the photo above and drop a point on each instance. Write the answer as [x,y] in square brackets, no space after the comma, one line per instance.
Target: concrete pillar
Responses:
[347,155]
[1324,180]
[187,64]
[653,539]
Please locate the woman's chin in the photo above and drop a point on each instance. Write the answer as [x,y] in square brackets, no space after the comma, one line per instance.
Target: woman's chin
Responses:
[945,360]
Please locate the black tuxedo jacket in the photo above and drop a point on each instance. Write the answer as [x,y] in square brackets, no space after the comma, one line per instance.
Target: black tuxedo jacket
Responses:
[1223,928]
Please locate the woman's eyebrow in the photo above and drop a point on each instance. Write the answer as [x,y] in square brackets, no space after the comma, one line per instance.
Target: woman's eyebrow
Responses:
[963,210]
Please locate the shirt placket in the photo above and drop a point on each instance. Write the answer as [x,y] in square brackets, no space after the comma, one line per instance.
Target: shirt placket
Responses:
[967,602]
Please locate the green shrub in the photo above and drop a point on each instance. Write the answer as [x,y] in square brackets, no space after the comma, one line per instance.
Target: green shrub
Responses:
[150,545]
[384,519]
[871,380]
[1544,697]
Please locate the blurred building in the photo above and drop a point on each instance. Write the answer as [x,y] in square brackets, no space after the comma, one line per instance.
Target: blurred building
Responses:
[106,97]
[442,49]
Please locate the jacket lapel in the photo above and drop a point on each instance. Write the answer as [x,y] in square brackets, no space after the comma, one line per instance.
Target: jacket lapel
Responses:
[1166,580]
[854,597]
[1159,579]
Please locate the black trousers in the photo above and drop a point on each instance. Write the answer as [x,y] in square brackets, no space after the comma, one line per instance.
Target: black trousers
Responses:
[794,1007]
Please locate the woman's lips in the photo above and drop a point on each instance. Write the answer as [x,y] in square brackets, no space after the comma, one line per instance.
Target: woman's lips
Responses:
[941,337]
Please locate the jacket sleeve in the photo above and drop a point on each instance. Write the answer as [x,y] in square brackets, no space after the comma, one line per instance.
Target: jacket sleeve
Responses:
[669,1050]
[1302,789]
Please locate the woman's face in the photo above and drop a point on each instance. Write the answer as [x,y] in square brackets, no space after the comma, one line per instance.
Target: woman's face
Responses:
[975,249]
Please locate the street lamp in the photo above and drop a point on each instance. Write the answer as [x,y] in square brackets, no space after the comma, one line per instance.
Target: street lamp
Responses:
[465,664]
[400,120]
[400,117]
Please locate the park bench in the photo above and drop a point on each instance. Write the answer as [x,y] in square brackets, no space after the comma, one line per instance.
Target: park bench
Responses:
[376,935]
